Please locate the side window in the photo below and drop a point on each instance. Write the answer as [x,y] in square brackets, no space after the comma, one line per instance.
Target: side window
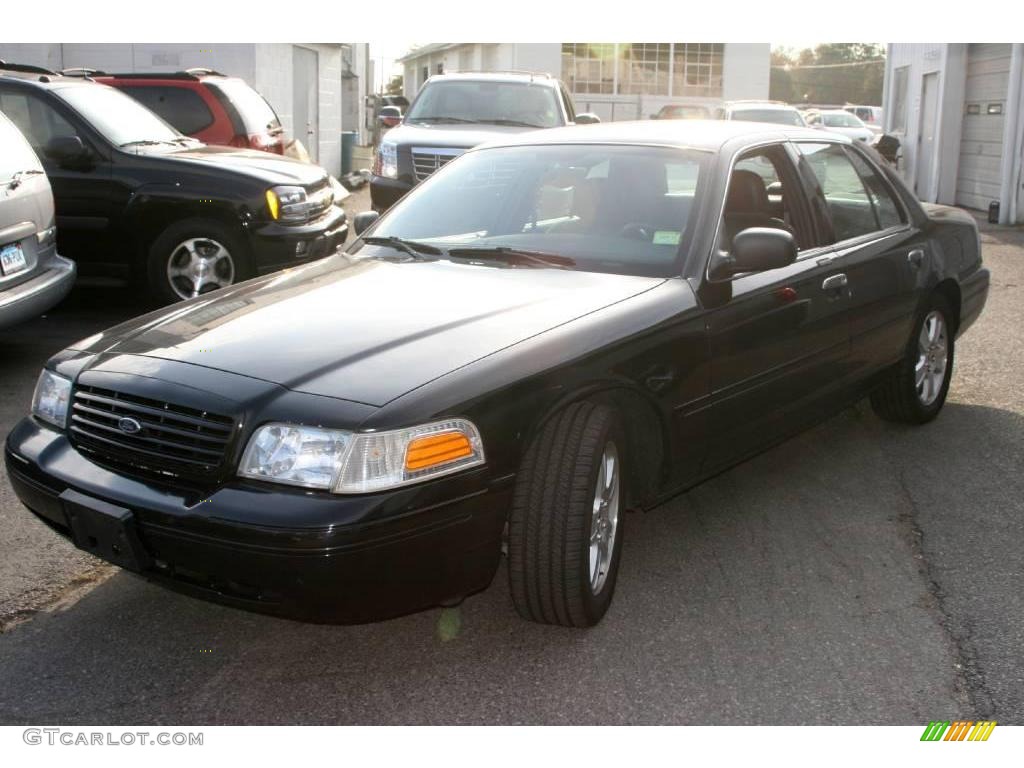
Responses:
[36,119]
[181,107]
[846,199]
[887,210]
[569,109]
[758,197]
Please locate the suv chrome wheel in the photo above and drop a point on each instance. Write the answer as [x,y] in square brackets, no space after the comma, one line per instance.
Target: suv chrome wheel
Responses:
[932,357]
[604,520]
[199,265]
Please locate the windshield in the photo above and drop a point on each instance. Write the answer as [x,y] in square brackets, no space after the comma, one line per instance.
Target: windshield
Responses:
[119,117]
[620,209]
[15,153]
[779,116]
[844,120]
[256,113]
[486,101]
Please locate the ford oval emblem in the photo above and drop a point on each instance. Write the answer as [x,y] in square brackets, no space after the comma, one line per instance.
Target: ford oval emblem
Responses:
[129,426]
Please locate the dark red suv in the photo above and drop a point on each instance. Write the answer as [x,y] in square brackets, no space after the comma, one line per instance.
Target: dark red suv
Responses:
[214,108]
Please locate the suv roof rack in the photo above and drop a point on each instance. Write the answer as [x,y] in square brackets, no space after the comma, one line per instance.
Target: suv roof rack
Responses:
[525,72]
[81,72]
[204,71]
[26,68]
[189,74]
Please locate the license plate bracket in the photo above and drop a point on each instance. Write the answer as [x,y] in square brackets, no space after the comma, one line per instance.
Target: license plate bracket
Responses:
[12,259]
[105,530]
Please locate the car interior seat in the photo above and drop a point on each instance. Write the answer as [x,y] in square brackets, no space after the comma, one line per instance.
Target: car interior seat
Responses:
[747,206]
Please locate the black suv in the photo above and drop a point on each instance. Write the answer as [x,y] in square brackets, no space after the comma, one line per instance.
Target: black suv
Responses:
[136,197]
[457,111]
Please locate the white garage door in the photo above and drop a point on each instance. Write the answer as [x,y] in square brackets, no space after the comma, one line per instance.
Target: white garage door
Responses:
[981,143]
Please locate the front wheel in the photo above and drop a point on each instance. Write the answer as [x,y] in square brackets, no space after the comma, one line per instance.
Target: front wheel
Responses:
[915,390]
[193,257]
[566,522]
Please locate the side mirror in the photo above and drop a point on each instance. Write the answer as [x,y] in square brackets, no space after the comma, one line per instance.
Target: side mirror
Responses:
[587,118]
[390,116]
[363,221]
[66,150]
[756,249]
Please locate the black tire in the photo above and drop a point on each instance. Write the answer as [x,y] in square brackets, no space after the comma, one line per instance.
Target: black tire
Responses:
[550,522]
[164,247]
[897,399]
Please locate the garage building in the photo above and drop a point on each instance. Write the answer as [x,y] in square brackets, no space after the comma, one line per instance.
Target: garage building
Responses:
[958,111]
[617,81]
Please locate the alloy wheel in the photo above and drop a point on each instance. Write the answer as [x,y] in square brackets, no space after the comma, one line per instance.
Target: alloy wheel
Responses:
[932,358]
[199,265]
[604,520]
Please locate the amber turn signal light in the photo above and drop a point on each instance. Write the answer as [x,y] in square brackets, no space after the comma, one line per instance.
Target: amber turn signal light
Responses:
[434,450]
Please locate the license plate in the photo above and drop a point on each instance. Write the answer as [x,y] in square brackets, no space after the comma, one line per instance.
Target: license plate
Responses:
[104,530]
[12,259]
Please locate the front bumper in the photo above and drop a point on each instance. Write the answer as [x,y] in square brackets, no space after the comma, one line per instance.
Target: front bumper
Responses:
[274,245]
[381,555]
[34,297]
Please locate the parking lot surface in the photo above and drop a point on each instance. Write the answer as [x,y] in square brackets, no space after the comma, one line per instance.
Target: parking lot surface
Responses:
[862,573]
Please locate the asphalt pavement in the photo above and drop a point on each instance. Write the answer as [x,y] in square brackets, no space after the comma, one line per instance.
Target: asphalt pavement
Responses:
[861,573]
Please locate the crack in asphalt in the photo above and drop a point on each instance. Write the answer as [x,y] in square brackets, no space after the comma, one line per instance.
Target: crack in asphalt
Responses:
[969,677]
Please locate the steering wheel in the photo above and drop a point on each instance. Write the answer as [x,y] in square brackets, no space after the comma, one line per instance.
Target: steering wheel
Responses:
[638,231]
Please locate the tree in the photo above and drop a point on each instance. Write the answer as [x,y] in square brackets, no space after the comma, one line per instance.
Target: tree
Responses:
[394,86]
[831,73]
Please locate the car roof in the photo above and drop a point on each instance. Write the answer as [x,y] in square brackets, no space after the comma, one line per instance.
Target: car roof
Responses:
[42,78]
[760,105]
[709,135]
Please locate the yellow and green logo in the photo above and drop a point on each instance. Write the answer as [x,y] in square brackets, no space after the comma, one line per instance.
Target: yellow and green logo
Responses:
[958,730]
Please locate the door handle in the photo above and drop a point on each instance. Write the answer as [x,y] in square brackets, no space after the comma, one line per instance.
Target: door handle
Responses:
[916,258]
[834,283]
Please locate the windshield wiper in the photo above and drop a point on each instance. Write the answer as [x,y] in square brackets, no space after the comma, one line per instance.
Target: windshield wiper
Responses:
[511,255]
[520,123]
[411,247]
[440,119]
[15,181]
[144,143]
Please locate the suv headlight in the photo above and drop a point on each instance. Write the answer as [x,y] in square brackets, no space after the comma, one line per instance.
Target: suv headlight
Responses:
[360,462]
[385,163]
[50,400]
[287,203]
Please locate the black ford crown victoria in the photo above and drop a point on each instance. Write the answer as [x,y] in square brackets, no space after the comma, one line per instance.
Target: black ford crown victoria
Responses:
[543,335]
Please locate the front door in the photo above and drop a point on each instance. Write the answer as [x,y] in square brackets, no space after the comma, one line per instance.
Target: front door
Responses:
[305,99]
[778,340]
[925,162]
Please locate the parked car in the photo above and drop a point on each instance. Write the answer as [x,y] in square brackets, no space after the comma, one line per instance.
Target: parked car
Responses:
[556,328]
[839,121]
[682,112]
[32,276]
[872,116]
[203,104]
[457,111]
[760,112]
[392,100]
[137,198]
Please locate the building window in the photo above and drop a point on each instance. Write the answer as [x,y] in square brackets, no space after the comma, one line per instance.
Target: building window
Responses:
[697,69]
[899,99]
[589,67]
[644,68]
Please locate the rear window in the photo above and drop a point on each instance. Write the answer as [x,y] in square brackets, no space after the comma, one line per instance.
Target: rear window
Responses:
[778,116]
[15,153]
[181,107]
[255,112]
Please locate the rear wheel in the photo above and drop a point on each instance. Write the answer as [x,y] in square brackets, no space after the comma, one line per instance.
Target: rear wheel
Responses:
[193,257]
[916,389]
[566,523]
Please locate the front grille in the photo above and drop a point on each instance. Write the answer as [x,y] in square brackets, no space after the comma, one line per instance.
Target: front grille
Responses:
[173,439]
[318,200]
[427,160]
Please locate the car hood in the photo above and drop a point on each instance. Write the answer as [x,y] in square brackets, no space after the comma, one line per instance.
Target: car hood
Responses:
[274,169]
[455,136]
[366,330]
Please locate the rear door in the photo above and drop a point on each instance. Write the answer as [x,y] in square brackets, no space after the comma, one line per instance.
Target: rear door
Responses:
[885,259]
[778,340]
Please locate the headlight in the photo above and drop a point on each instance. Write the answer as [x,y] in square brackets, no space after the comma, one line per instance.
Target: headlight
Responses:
[386,161]
[348,462]
[287,203]
[50,401]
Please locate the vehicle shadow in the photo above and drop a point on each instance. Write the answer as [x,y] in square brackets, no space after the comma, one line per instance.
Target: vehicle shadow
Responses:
[788,590]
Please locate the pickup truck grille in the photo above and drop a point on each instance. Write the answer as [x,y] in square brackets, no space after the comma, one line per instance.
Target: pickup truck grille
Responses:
[169,439]
[427,160]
